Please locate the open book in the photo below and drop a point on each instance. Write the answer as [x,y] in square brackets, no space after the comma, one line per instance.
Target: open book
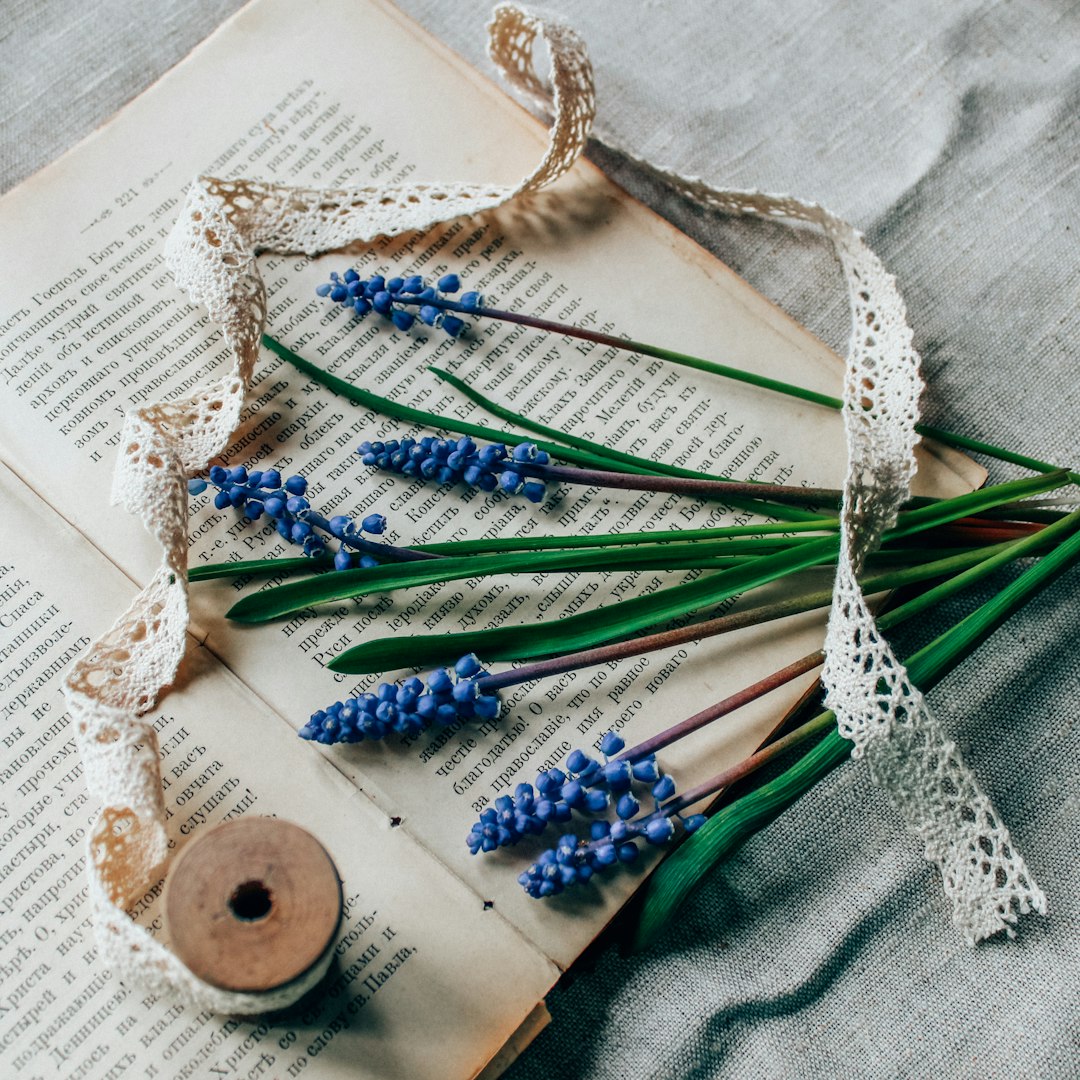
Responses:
[442,962]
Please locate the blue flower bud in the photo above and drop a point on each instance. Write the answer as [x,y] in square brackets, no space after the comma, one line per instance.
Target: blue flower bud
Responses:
[196,486]
[452,325]
[440,681]
[646,771]
[487,706]
[606,855]
[510,481]
[618,776]
[468,666]
[577,761]
[374,523]
[296,485]
[449,283]
[573,793]
[659,830]
[596,801]
[694,822]
[465,692]
[664,788]
[611,744]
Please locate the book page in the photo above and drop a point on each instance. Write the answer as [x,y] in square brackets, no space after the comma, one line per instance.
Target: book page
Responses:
[90,325]
[412,934]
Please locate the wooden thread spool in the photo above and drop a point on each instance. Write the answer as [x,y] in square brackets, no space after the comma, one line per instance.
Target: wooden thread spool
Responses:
[253,904]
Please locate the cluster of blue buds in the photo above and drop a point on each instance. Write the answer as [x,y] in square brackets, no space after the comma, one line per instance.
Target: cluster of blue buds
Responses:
[449,461]
[587,786]
[450,694]
[263,492]
[395,298]
[574,862]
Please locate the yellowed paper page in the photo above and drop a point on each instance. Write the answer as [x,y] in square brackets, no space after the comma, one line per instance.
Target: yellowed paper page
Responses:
[90,325]
[412,934]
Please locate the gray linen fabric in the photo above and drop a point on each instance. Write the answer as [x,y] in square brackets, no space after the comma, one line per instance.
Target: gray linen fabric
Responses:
[949,134]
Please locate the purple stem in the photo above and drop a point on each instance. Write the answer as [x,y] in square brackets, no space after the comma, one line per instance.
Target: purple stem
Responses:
[682,485]
[722,708]
[623,650]
[715,784]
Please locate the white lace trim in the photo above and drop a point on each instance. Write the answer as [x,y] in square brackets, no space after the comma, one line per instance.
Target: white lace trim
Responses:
[211,252]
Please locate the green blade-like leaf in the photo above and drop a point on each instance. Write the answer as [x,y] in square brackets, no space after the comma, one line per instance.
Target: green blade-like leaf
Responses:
[725,830]
[592,627]
[596,456]
[348,584]
[617,621]
[260,567]
[491,545]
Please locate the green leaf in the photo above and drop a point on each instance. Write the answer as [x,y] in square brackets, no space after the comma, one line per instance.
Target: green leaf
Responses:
[297,596]
[629,616]
[589,628]
[260,567]
[730,826]
[596,456]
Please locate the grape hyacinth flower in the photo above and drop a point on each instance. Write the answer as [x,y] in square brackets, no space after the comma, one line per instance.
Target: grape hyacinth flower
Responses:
[263,492]
[575,862]
[449,461]
[449,695]
[387,297]
[587,786]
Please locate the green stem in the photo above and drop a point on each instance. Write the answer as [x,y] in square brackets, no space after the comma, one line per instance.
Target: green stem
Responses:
[734,823]
[608,623]
[761,381]
[342,585]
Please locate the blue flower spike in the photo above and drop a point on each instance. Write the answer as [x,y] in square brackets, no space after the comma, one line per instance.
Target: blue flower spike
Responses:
[514,470]
[263,492]
[407,708]
[403,300]
[585,787]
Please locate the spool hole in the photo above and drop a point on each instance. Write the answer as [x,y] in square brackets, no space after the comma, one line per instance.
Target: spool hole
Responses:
[251,901]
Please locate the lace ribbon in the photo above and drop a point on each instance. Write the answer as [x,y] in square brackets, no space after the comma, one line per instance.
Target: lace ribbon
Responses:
[212,251]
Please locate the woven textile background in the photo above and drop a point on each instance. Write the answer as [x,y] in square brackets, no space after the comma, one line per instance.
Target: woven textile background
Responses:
[950,134]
